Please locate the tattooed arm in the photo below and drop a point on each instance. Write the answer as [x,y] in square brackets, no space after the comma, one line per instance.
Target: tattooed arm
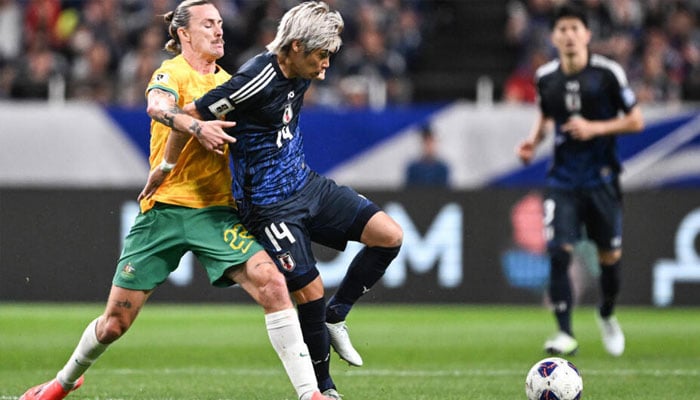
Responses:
[162,107]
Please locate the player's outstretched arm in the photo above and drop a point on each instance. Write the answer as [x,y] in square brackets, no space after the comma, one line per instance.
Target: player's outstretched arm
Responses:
[163,108]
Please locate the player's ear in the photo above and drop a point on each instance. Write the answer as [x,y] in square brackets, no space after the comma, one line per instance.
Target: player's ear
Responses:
[297,46]
[184,33]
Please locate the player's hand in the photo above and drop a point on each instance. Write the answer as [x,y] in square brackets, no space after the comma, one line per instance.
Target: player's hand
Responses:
[526,151]
[211,135]
[155,179]
[580,128]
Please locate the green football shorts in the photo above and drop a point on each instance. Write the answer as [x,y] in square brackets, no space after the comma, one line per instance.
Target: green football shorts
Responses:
[161,236]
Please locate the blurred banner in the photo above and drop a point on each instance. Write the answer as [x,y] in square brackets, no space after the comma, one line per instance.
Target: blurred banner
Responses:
[481,246]
[84,145]
[69,175]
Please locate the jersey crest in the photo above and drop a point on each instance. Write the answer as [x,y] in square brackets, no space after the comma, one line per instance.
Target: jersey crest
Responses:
[162,78]
[288,114]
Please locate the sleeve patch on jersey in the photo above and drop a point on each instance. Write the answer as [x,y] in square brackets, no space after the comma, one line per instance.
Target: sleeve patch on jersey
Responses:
[161,78]
[221,107]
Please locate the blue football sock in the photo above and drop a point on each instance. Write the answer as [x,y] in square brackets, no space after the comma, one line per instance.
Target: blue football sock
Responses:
[610,287]
[366,269]
[312,316]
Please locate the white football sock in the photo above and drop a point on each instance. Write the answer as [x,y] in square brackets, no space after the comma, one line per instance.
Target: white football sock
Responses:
[84,355]
[287,340]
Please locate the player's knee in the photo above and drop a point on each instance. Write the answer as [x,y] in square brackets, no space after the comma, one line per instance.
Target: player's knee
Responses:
[111,328]
[276,284]
[609,257]
[273,292]
[395,236]
[392,235]
[382,230]
[560,257]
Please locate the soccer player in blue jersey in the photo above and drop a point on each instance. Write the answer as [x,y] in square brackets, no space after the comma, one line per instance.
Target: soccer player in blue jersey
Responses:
[588,100]
[281,199]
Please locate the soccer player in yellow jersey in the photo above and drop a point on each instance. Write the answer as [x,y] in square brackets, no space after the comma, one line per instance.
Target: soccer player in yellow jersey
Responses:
[191,211]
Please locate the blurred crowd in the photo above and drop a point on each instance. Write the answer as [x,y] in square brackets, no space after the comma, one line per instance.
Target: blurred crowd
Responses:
[657,42]
[106,50]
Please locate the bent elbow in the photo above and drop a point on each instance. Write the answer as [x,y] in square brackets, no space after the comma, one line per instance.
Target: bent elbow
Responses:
[154,110]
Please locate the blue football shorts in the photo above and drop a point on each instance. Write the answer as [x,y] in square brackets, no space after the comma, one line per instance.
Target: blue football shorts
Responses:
[594,212]
[321,212]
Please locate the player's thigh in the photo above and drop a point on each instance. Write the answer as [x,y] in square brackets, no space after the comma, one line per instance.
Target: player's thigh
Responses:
[218,238]
[342,215]
[382,230]
[288,243]
[561,218]
[604,218]
[152,249]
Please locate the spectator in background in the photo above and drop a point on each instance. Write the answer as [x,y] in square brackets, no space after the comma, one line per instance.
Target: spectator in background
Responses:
[654,85]
[10,30]
[520,84]
[382,68]
[91,75]
[266,31]
[632,33]
[684,38]
[390,32]
[37,69]
[138,64]
[428,170]
[40,19]
[527,27]
[11,44]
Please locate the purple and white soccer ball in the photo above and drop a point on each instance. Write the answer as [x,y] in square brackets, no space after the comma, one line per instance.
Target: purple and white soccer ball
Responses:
[553,378]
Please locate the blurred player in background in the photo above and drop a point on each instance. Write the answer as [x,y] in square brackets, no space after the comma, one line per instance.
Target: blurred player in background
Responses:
[192,210]
[588,99]
[286,204]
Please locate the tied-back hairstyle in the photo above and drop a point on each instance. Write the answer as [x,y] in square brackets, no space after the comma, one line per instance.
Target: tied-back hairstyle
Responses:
[313,24]
[180,18]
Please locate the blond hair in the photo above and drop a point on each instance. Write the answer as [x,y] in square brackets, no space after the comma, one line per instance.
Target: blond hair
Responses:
[313,24]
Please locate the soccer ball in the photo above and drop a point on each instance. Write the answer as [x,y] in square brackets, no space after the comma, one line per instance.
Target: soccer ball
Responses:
[553,379]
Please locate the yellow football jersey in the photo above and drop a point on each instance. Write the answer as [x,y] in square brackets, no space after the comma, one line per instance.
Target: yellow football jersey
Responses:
[200,178]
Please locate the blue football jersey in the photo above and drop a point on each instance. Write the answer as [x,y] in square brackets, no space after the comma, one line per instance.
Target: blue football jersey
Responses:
[268,159]
[598,92]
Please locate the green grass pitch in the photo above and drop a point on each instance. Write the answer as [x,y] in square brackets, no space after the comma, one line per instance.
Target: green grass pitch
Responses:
[410,352]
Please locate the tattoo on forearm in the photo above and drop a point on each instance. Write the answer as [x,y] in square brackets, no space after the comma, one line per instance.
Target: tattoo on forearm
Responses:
[168,118]
[196,128]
